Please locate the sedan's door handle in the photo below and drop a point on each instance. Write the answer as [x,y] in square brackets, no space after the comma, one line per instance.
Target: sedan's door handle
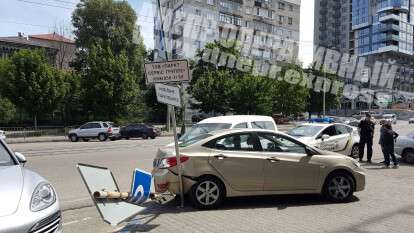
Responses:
[273,160]
[220,156]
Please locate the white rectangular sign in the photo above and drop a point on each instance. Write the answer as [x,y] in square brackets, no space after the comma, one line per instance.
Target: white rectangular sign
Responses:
[170,71]
[168,94]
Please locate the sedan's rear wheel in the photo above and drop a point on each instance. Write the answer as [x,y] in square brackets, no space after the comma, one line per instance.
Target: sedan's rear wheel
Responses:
[408,156]
[207,193]
[144,136]
[339,187]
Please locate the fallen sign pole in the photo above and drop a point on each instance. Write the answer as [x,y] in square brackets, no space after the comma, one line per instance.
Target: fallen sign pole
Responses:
[171,95]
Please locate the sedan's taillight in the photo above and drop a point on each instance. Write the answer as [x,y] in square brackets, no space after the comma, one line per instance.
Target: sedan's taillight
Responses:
[171,161]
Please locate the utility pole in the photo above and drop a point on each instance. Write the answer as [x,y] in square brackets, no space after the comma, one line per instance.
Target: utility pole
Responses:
[324,95]
[171,113]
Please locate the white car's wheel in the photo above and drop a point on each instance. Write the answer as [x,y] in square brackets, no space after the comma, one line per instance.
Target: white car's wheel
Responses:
[73,138]
[102,137]
[355,151]
[408,156]
[339,187]
[207,193]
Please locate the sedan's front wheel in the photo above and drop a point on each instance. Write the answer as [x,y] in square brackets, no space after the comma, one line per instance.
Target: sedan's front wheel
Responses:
[207,193]
[339,187]
[408,156]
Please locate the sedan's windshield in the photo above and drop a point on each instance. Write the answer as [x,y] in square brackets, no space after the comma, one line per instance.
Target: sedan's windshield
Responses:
[203,128]
[305,131]
[5,158]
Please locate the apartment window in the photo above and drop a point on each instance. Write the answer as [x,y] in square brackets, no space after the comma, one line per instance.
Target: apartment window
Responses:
[281,6]
[281,19]
[230,19]
[290,21]
[198,12]
[290,7]
[210,2]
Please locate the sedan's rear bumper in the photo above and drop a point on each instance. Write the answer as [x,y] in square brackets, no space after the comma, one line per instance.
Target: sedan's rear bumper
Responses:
[165,180]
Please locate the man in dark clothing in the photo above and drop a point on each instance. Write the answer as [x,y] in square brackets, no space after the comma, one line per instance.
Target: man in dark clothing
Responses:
[366,132]
[387,144]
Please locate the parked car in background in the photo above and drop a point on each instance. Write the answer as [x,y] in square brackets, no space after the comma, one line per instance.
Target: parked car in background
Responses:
[228,122]
[2,135]
[95,130]
[251,162]
[404,146]
[139,130]
[340,138]
[347,120]
[28,202]
[362,114]
[390,117]
[411,121]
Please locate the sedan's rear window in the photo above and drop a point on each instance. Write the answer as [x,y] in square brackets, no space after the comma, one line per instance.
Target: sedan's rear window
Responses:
[263,125]
[194,140]
[5,158]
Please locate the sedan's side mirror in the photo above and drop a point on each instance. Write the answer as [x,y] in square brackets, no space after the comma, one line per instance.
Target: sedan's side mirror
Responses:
[325,137]
[20,157]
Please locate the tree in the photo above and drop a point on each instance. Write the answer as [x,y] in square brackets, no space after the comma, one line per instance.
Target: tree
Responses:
[71,104]
[110,57]
[315,103]
[289,98]
[252,95]
[31,83]
[7,110]
[109,84]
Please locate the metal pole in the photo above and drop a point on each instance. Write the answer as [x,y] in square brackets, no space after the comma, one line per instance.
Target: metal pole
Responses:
[324,97]
[177,154]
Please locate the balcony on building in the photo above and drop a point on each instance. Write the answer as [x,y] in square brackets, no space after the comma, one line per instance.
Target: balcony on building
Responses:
[393,6]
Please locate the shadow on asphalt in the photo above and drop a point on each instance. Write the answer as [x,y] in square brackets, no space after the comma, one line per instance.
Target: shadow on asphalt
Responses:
[280,202]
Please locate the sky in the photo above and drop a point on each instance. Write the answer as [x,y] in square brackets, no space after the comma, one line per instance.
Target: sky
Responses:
[46,16]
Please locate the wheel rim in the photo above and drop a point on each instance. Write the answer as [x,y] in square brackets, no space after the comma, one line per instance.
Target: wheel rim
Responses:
[355,151]
[207,193]
[409,157]
[73,138]
[101,137]
[339,188]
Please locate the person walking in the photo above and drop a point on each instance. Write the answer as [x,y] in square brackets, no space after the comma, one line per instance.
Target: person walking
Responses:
[366,131]
[388,140]
[381,138]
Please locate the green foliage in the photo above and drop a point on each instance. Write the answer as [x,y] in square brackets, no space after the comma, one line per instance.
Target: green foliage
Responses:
[109,85]
[220,90]
[7,110]
[315,103]
[110,59]
[289,98]
[30,83]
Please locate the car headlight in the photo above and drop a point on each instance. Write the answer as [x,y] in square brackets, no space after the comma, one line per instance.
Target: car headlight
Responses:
[42,197]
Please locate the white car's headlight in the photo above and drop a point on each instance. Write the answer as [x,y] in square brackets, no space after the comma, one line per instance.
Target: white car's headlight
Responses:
[42,197]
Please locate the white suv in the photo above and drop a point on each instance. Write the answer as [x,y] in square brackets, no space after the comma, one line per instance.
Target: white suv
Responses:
[91,130]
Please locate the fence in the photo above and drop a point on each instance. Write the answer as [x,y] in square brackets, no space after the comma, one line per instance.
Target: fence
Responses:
[24,132]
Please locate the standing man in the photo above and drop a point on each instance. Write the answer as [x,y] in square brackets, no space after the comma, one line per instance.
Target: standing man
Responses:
[366,131]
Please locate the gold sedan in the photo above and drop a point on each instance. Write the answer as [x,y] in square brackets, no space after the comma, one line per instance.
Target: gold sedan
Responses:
[249,162]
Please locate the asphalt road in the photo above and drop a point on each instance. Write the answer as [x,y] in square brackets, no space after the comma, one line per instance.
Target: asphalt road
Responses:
[57,162]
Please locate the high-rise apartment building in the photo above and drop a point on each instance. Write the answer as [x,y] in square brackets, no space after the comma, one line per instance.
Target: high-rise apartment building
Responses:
[190,24]
[378,30]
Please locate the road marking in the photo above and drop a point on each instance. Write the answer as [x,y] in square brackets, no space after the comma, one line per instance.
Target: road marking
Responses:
[69,223]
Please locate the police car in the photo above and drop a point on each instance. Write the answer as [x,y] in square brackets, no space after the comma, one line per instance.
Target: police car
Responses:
[340,138]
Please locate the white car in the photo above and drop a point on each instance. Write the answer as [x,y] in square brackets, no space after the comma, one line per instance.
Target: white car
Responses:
[404,146]
[2,135]
[390,117]
[340,138]
[98,129]
[229,122]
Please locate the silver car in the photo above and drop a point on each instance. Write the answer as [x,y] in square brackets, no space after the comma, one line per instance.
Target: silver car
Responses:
[28,203]
[404,146]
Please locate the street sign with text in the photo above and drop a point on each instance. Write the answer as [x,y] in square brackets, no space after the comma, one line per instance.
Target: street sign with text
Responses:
[165,72]
[168,94]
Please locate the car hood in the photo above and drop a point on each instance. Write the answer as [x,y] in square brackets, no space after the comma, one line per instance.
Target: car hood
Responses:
[11,180]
